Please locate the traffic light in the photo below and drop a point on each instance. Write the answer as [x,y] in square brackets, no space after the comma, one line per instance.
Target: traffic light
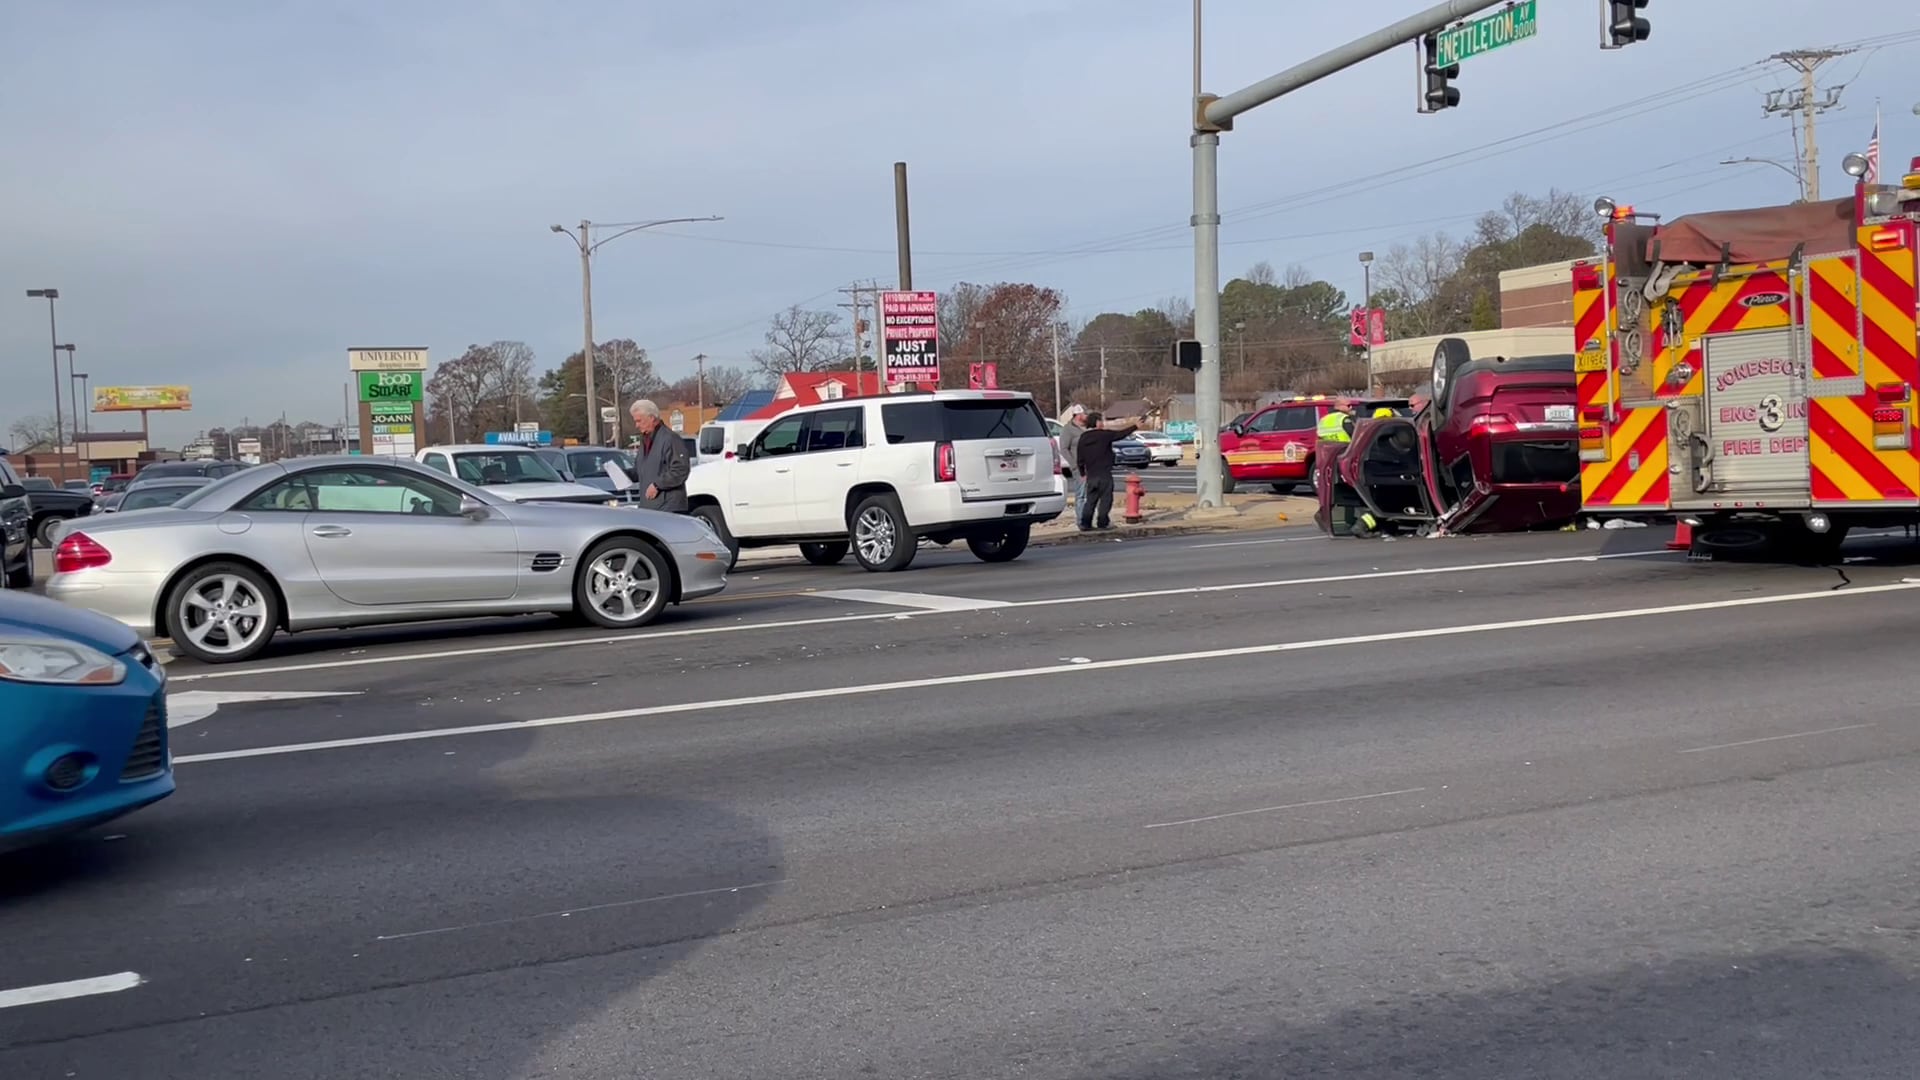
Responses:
[1624,24]
[1186,354]
[1440,95]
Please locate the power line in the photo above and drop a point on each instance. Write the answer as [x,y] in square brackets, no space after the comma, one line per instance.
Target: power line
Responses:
[1809,101]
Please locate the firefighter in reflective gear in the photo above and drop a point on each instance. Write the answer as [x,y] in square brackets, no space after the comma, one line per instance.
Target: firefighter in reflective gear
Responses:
[1333,424]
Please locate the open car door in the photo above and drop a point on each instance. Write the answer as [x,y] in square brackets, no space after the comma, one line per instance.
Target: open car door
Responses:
[1389,467]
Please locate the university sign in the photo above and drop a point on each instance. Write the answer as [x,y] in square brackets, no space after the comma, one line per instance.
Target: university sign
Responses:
[381,386]
[396,359]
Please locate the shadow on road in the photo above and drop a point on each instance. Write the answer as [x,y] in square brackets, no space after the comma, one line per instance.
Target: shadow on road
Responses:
[443,911]
[1779,1016]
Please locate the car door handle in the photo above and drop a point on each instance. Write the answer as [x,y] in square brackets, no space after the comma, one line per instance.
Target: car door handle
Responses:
[782,470]
[843,465]
[332,532]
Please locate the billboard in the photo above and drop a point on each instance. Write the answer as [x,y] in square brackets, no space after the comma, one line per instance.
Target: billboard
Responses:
[910,337]
[142,399]
[403,358]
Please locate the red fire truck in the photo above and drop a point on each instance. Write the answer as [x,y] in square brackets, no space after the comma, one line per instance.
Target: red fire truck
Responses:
[1752,373]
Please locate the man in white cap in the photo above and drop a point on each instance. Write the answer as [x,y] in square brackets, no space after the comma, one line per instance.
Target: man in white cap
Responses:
[660,464]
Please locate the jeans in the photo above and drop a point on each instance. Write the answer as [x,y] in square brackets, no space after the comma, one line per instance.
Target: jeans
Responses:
[1096,503]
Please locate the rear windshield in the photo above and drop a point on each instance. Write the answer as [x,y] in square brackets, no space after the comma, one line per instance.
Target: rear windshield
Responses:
[177,468]
[958,421]
[713,440]
[594,462]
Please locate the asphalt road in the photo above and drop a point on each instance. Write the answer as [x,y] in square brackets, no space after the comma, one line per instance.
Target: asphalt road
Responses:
[1251,806]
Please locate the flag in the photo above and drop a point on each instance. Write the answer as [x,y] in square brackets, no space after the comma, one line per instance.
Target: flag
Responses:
[1873,152]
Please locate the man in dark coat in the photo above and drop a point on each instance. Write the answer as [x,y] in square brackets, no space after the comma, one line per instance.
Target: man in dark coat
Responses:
[1093,458]
[660,463]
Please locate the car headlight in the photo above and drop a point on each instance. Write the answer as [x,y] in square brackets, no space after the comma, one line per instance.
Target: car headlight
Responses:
[67,663]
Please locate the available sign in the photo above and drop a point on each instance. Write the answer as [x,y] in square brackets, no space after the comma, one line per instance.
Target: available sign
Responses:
[910,337]
[142,399]
[516,438]
[1515,22]
[376,386]
[397,359]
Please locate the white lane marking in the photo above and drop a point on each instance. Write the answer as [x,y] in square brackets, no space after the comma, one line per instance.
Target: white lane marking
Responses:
[1253,543]
[192,706]
[790,696]
[1774,738]
[580,910]
[1288,806]
[923,601]
[61,991]
[826,620]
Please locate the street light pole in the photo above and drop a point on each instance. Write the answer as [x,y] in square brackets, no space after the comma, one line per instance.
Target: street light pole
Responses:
[588,245]
[1366,304]
[1213,115]
[53,333]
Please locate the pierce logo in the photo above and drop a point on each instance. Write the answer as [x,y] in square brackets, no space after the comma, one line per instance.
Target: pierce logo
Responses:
[1764,299]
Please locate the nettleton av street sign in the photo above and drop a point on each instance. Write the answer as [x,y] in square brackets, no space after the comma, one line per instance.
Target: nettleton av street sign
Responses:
[1504,27]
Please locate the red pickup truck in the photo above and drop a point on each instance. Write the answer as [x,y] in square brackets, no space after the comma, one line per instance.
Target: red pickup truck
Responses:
[1276,445]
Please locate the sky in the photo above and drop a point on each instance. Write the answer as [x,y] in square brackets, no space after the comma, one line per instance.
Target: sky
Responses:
[229,195]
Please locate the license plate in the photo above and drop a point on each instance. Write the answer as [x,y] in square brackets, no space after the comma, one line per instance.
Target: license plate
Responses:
[1009,464]
[1559,414]
[1594,360]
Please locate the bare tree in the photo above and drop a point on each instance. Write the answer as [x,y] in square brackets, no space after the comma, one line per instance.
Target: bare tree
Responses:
[516,374]
[33,432]
[801,340]
[461,387]
[1415,277]
[727,384]
[1261,273]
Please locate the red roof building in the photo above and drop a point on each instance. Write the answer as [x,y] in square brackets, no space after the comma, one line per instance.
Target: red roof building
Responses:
[814,387]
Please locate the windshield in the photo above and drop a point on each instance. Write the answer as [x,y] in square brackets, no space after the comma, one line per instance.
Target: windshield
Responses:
[36,483]
[496,467]
[172,468]
[594,462]
[153,495]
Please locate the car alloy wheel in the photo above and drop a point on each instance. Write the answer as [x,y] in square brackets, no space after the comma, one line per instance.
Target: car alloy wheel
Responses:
[45,530]
[222,614]
[876,534]
[622,586]
[881,541]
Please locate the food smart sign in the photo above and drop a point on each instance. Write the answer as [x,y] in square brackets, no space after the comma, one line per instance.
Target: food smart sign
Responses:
[910,337]
[379,386]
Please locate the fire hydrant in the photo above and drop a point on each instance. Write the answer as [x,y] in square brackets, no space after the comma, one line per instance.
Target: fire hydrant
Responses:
[1135,489]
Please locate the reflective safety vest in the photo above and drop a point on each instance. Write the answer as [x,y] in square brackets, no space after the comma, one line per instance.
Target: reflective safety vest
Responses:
[1333,427]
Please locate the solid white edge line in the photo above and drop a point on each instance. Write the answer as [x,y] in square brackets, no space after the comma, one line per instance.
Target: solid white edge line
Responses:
[1028,673]
[826,620]
[1256,543]
[61,991]
[1775,738]
[1288,806]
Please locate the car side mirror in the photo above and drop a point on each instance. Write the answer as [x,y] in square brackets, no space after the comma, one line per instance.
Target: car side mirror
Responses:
[472,508]
[13,491]
[1237,429]
[744,451]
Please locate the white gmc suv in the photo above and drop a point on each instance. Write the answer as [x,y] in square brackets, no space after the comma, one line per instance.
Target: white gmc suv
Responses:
[879,474]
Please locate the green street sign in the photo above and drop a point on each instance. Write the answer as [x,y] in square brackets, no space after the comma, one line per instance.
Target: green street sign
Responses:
[1515,22]
[376,386]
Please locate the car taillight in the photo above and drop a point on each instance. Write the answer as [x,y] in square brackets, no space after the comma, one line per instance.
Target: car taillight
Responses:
[1057,470]
[78,551]
[943,469]
[1493,420]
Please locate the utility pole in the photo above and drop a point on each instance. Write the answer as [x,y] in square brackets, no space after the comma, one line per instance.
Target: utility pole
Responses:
[902,234]
[1103,378]
[700,382]
[1058,405]
[860,296]
[1809,100]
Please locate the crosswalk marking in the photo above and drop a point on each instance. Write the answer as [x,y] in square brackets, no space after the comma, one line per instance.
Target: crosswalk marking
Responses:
[923,601]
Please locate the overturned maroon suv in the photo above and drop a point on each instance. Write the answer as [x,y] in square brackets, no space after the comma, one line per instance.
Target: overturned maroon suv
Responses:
[1493,447]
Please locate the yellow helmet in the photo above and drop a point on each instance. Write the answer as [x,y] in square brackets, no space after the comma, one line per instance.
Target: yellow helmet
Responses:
[1382,413]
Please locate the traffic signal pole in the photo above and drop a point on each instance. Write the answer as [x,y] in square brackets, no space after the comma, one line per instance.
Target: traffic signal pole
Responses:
[1213,115]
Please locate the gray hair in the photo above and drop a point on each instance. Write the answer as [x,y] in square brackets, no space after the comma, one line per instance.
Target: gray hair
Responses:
[644,407]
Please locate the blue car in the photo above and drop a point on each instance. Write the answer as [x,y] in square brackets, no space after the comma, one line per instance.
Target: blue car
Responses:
[83,720]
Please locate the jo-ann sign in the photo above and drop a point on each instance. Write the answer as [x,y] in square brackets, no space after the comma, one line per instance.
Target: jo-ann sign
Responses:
[396,359]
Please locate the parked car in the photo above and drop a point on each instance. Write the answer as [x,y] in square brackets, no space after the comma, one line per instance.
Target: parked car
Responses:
[115,482]
[718,440]
[53,508]
[1495,449]
[39,483]
[514,473]
[78,485]
[351,541]
[1275,445]
[152,494]
[85,738]
[879,474]
[587,464]
[16,529]
[1162,448]
[1131,453]
[211,468]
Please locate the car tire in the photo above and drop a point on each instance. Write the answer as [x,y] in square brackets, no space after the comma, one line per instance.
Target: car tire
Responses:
[1171,464]
[717,519]
[1449,357]
[1001,547]
[608,572]
[23,577]
[882,542]
[43,530]
[825,552]
[244,587]
[1226,478]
